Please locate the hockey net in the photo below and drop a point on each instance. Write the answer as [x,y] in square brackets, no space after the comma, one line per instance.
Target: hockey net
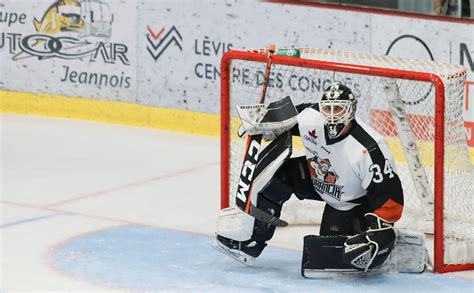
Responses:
[432,95]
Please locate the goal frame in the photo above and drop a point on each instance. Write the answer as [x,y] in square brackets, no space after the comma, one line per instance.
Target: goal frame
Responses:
[439,131]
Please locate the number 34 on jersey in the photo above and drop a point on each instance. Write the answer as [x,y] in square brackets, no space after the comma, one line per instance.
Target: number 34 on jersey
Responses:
[379,172]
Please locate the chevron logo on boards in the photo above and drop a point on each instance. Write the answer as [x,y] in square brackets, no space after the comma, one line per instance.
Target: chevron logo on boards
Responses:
[159,41]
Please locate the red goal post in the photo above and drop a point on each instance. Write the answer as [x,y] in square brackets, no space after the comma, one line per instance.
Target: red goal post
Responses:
[436,142]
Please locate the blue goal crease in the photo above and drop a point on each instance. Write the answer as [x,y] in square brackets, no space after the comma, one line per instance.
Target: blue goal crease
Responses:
[143,258]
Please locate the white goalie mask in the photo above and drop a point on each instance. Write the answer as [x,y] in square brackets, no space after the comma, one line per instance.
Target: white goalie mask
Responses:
[338,107]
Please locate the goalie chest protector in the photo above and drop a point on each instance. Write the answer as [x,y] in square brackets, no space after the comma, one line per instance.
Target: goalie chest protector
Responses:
[341,169]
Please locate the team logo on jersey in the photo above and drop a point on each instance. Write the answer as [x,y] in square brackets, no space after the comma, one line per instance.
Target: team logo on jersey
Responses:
[312,133]
[311,136]
[324,177]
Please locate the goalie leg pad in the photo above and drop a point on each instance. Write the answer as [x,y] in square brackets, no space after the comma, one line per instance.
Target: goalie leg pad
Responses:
[409,254]
[235,224]
[322,256]
[234,236]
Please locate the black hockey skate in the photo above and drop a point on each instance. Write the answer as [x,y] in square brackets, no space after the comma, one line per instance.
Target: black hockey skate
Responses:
[242,251]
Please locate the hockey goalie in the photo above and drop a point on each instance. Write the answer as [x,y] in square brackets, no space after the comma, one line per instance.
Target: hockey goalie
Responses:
[347,165]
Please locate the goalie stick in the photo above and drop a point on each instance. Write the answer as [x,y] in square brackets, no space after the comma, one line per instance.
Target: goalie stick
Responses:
[252,150]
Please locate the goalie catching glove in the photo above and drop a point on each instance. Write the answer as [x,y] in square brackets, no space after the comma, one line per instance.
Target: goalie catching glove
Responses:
[369,249]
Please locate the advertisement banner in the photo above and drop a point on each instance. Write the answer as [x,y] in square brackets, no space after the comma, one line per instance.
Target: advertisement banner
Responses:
[81,48]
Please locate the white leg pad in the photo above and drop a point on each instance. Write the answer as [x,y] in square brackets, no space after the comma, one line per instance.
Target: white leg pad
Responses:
[235,224]
[409,254]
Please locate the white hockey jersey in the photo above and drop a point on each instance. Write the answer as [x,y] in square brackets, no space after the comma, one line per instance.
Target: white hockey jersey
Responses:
[349,170]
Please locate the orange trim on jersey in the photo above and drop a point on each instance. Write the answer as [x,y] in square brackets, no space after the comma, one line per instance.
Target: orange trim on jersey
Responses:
[390,211]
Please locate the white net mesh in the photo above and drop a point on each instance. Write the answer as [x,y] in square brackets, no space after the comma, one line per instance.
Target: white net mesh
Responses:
[305,84]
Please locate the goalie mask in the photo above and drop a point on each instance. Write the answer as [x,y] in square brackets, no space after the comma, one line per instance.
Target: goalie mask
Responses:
[338,107]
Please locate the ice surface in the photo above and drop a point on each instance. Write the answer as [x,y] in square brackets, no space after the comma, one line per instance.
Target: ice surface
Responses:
[91,207]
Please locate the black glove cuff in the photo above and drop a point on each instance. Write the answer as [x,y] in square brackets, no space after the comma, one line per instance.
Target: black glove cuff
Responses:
[373,221]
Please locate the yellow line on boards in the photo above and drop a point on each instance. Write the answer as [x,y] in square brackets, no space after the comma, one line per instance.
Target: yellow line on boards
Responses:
[110,112]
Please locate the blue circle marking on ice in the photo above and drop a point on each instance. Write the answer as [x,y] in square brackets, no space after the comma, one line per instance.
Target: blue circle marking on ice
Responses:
[150,259]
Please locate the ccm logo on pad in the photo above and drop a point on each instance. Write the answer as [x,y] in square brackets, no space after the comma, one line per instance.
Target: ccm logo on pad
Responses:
[246,175]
